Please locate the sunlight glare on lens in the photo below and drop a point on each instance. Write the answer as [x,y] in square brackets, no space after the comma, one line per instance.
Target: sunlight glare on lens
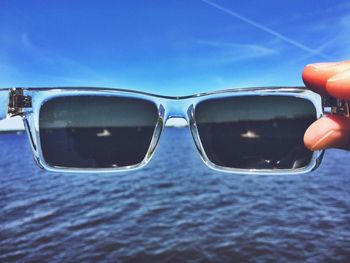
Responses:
[104,133]
[249,134]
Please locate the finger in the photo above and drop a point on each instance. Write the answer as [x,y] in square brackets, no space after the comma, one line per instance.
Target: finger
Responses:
[315,76]
[328,132]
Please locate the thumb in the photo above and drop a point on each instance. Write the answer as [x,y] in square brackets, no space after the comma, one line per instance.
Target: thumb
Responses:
[328,132]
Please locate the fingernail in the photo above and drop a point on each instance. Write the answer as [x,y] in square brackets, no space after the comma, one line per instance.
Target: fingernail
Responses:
[324,140]
[322,65]
[341,76]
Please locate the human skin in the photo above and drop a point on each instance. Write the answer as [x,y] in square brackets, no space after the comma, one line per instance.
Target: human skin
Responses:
[333,79]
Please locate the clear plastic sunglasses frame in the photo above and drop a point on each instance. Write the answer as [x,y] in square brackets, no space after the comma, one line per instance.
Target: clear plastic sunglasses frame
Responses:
[26,102]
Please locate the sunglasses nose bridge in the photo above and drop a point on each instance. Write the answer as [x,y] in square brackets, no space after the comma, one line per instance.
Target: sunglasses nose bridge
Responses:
[176,109]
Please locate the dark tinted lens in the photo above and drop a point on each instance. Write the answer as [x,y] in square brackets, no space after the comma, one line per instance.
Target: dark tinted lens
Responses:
[96,131]
[255,132]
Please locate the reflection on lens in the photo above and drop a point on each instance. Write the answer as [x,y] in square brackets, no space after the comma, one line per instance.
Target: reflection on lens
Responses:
[255,132]
[96,131]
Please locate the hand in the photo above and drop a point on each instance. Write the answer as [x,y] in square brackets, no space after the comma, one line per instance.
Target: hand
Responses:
[330,131]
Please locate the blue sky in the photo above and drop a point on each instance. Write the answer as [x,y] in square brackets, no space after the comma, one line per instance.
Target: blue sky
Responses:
[172,47]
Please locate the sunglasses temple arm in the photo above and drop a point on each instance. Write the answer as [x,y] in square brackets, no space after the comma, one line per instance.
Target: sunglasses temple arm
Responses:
[12,102]
[336,106]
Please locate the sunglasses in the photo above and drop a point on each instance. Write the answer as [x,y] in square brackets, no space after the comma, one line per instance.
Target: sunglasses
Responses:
[103,130]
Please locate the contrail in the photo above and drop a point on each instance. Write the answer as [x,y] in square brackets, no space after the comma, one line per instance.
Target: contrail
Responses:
[267,30]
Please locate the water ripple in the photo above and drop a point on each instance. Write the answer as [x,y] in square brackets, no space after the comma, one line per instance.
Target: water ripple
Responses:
[174,210]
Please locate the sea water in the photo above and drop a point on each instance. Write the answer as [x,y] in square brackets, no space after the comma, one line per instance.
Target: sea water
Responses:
[174,210]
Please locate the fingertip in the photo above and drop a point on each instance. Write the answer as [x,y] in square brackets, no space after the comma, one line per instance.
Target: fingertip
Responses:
[315,76]
[309,137]
[328,132]
[314,133]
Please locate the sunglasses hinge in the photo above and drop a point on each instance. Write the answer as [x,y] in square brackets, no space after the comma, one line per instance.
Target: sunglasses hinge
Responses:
[18,101]
[336,106]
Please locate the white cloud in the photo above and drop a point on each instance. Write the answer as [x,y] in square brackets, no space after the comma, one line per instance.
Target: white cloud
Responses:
[62,66]
[336,30]
[229,52]
[266,29]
